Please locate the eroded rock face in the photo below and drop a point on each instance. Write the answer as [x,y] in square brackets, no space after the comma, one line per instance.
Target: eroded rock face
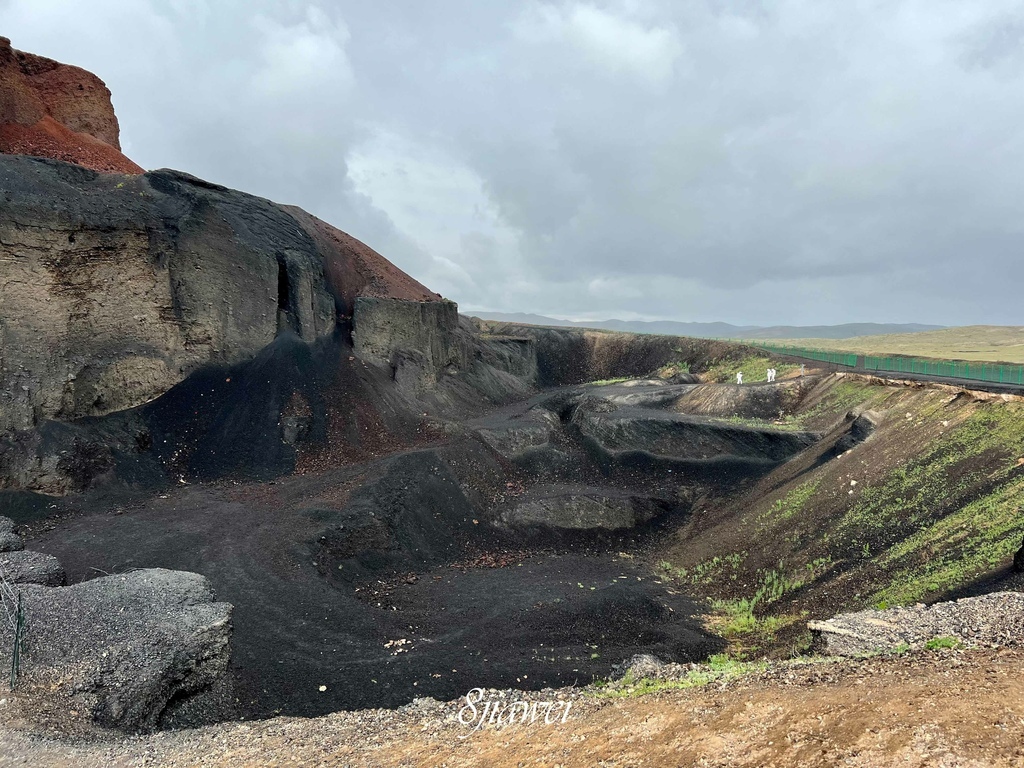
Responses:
[580,509]
[135,283]
[665,434]
[568,356]
[49,109]
[122,647]
[757,402]
[419,340]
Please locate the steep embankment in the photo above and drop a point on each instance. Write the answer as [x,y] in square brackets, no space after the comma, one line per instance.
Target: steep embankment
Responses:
[49,109]
[215,331]
[924,507]
[568,356]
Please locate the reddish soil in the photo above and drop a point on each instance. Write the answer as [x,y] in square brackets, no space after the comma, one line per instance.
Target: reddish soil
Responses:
[355,269]
[929,709]
[49,109]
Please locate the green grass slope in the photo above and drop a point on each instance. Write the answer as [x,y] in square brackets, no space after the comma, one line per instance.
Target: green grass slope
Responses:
[926,506]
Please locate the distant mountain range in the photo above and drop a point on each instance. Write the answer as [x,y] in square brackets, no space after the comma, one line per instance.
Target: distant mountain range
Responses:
[718,330]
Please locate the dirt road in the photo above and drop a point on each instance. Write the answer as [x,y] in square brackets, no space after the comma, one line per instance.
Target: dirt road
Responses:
[942,708]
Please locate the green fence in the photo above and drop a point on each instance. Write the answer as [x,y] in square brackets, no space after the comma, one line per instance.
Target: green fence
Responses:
[952,369]
[820,355]
[949,369]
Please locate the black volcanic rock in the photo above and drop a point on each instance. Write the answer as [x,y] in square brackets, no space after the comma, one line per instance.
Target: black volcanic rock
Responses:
[159,327]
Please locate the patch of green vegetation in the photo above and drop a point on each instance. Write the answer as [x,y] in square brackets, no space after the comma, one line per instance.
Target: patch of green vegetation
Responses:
[603,382]
[842,397]
[789,505]
[942,643]
[788,422]
[705,572]
[720,668]
[948,515]
[744,617]
[957,548]
[671,369]
[917,492]
[754,368]
[847,393]
[738,620]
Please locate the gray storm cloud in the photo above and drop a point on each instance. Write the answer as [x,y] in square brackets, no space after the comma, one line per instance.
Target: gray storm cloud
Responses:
[785,162]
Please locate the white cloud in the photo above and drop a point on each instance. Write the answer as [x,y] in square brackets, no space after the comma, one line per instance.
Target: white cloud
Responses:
[305,58]
[613,42]
[737,160]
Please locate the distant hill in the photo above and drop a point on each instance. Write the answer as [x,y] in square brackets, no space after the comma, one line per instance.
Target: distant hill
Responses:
[718,330]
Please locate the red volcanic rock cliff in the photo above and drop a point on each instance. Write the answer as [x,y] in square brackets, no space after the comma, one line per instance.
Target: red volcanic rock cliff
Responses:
[354,269]
[49,109]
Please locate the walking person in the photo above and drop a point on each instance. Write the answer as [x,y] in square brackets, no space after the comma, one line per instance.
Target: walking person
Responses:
[739,377]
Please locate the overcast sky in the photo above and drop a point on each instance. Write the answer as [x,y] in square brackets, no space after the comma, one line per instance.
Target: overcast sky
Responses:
[767,163]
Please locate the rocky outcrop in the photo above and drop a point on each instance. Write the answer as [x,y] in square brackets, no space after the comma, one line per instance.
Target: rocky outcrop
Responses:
[122,647]
[582,509]
[158,327]
[136,283]
[574,356]
[419,341]
[989,620]
[18,566]
[49,109]
[684,438]
[522,434]
[358,270]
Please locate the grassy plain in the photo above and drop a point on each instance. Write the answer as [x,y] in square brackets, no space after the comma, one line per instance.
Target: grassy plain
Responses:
[994,343]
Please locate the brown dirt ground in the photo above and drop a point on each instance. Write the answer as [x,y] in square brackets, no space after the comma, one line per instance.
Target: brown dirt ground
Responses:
[48,138]
[944,708]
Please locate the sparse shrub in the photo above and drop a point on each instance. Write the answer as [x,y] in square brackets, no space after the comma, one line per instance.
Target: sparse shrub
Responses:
[942,643]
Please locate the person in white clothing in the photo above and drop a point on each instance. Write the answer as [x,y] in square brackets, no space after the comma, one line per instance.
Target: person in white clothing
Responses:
[739,377]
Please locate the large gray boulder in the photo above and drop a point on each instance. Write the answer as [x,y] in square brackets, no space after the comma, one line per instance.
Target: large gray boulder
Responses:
[25,567]
[516,437]
[122,647]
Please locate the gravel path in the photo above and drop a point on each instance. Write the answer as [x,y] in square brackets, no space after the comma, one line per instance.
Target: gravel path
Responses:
[995,619]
